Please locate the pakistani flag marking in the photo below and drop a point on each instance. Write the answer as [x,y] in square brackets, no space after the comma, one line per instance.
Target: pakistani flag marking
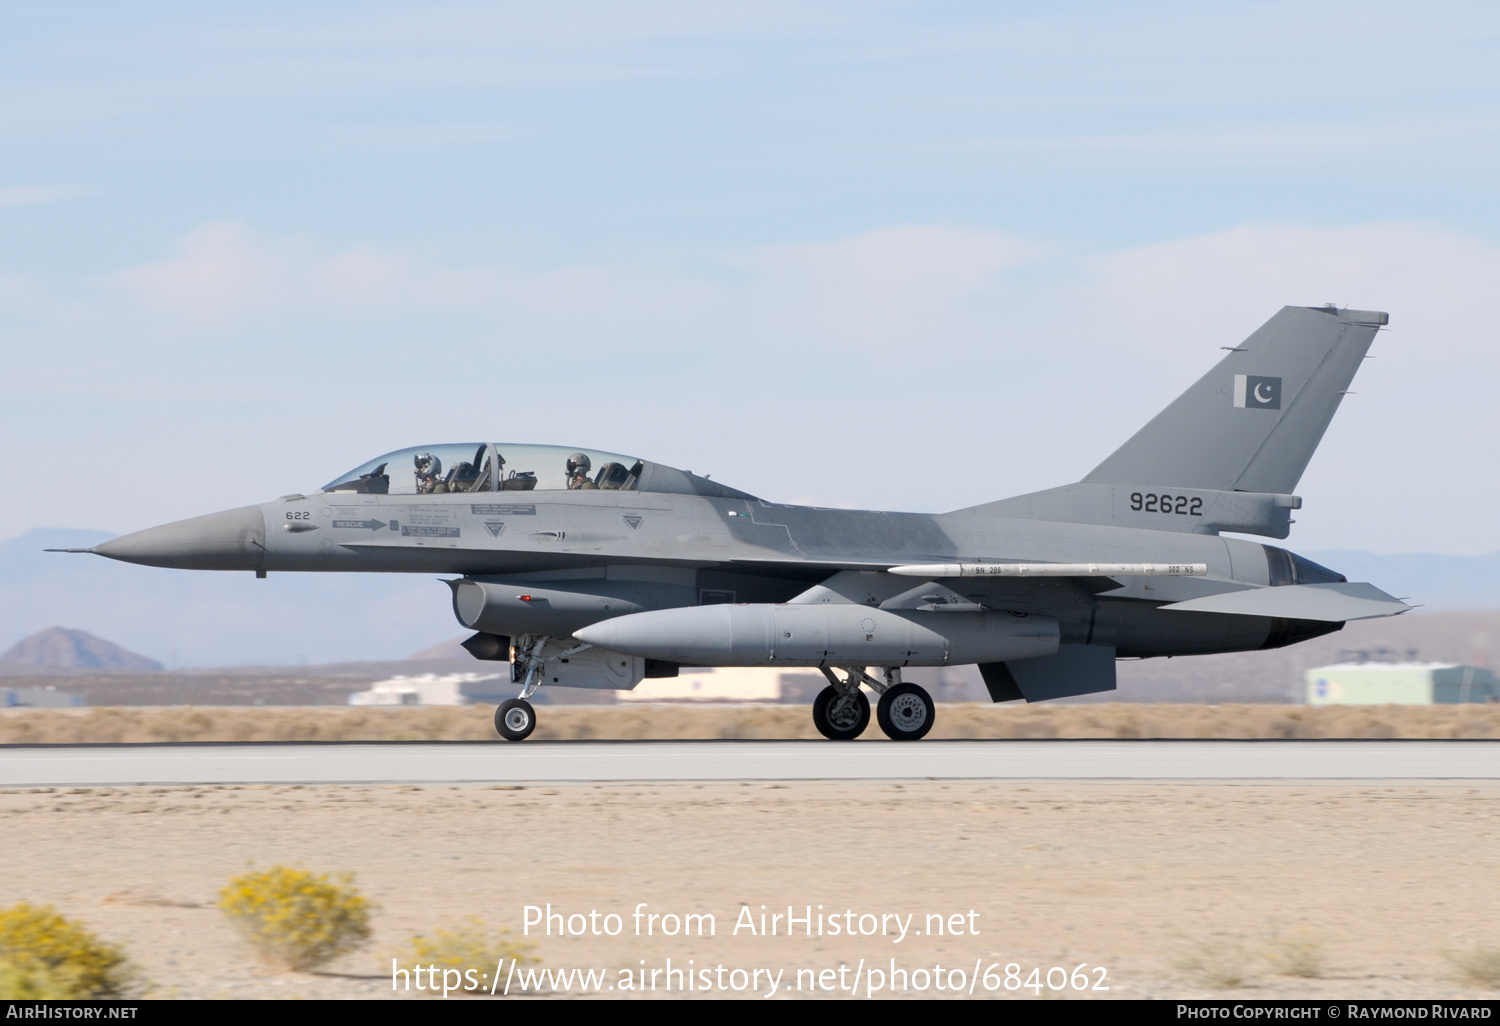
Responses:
[1256,393]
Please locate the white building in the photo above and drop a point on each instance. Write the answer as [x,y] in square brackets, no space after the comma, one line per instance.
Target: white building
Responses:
[1409,683]
[39,698]
[721,684]
[427,689]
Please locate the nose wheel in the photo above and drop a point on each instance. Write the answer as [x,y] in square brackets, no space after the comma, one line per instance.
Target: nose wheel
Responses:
[516,719]
[905,712]
[841,715]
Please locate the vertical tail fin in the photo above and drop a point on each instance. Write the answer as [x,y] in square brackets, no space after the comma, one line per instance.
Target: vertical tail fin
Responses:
[1251,424]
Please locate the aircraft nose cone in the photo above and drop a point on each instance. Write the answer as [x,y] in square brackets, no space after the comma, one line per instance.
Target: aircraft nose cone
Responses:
[232,540]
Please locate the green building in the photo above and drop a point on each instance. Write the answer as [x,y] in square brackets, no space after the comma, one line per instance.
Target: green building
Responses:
[1400,684]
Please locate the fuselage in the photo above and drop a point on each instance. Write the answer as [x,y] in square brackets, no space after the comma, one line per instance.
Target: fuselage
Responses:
[572,558]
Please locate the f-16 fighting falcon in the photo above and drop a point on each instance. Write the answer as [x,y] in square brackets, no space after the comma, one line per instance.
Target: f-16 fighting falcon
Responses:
[589,569]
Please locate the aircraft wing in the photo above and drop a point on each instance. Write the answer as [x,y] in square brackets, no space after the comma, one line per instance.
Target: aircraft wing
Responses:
[1329,602]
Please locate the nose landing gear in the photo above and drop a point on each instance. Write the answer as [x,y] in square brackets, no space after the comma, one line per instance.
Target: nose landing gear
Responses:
[516,718]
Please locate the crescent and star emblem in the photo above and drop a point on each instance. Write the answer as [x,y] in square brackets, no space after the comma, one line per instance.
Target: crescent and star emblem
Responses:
[1261,398]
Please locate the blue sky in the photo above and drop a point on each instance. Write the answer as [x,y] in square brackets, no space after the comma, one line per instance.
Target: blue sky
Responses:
[910,256]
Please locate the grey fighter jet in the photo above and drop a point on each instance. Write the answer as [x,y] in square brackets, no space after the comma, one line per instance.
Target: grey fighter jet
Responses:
[590,569]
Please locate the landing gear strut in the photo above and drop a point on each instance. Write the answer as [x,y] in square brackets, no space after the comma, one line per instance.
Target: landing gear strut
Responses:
[841,712]
[516,718]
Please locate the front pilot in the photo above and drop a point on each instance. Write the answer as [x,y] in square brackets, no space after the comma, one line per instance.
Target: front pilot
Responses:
[429,474]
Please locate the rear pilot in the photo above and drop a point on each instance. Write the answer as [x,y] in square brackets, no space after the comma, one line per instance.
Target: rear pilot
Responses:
[578,471]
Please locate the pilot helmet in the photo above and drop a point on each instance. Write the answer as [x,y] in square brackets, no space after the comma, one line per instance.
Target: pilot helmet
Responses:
[428,465]
[578,463]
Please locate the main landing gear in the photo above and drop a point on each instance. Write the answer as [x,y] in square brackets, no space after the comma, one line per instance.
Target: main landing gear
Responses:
[841,712]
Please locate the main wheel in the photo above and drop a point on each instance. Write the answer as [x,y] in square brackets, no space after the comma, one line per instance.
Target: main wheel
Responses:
[515,719]
[905,712]
[840,717]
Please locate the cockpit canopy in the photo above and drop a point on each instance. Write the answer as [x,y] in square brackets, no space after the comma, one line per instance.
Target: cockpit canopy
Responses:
[489,467]
[500,467]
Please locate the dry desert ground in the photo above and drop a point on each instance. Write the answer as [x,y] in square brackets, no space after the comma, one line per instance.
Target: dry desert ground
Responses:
[1175,889]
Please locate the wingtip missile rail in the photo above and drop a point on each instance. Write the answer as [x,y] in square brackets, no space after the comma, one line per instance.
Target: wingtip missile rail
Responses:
[939,570]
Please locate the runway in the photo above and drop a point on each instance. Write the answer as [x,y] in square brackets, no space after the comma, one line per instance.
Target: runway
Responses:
[720,761]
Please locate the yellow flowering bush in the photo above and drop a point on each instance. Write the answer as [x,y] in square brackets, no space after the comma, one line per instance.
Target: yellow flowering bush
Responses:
[469,948]
[297,919]
[44,955]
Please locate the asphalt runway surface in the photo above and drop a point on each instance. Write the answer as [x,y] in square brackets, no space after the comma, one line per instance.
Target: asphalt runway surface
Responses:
[695,761]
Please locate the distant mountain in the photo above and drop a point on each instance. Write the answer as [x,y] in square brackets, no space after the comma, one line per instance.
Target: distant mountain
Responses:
[451,649]
[73,649]
[188,618]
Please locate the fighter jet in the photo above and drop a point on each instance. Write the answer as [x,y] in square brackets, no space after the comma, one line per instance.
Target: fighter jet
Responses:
[590,569]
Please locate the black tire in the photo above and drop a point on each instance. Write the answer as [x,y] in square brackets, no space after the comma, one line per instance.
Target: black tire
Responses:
[838,718]
[515,719]
[905,712]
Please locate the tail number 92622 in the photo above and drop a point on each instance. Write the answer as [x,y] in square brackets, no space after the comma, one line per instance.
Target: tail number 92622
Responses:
[1179,505]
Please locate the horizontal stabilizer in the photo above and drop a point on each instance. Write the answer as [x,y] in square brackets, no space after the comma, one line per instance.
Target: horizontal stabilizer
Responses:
[1329,602]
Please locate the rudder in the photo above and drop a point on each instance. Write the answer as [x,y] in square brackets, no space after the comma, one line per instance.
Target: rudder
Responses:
[1252,423]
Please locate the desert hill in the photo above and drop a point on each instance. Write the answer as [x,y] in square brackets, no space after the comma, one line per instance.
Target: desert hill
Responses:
[450,649]
[67,648]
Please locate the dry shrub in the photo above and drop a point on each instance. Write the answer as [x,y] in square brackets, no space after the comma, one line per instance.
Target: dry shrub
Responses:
[1219,962]
[468,948]
[1284,727]
[45,956]
[1480,965]
[295,919]
[1299,955]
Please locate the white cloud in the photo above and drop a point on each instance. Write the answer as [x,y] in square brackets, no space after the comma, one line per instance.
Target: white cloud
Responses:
[1158,86]
[35,195]
[882,292]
